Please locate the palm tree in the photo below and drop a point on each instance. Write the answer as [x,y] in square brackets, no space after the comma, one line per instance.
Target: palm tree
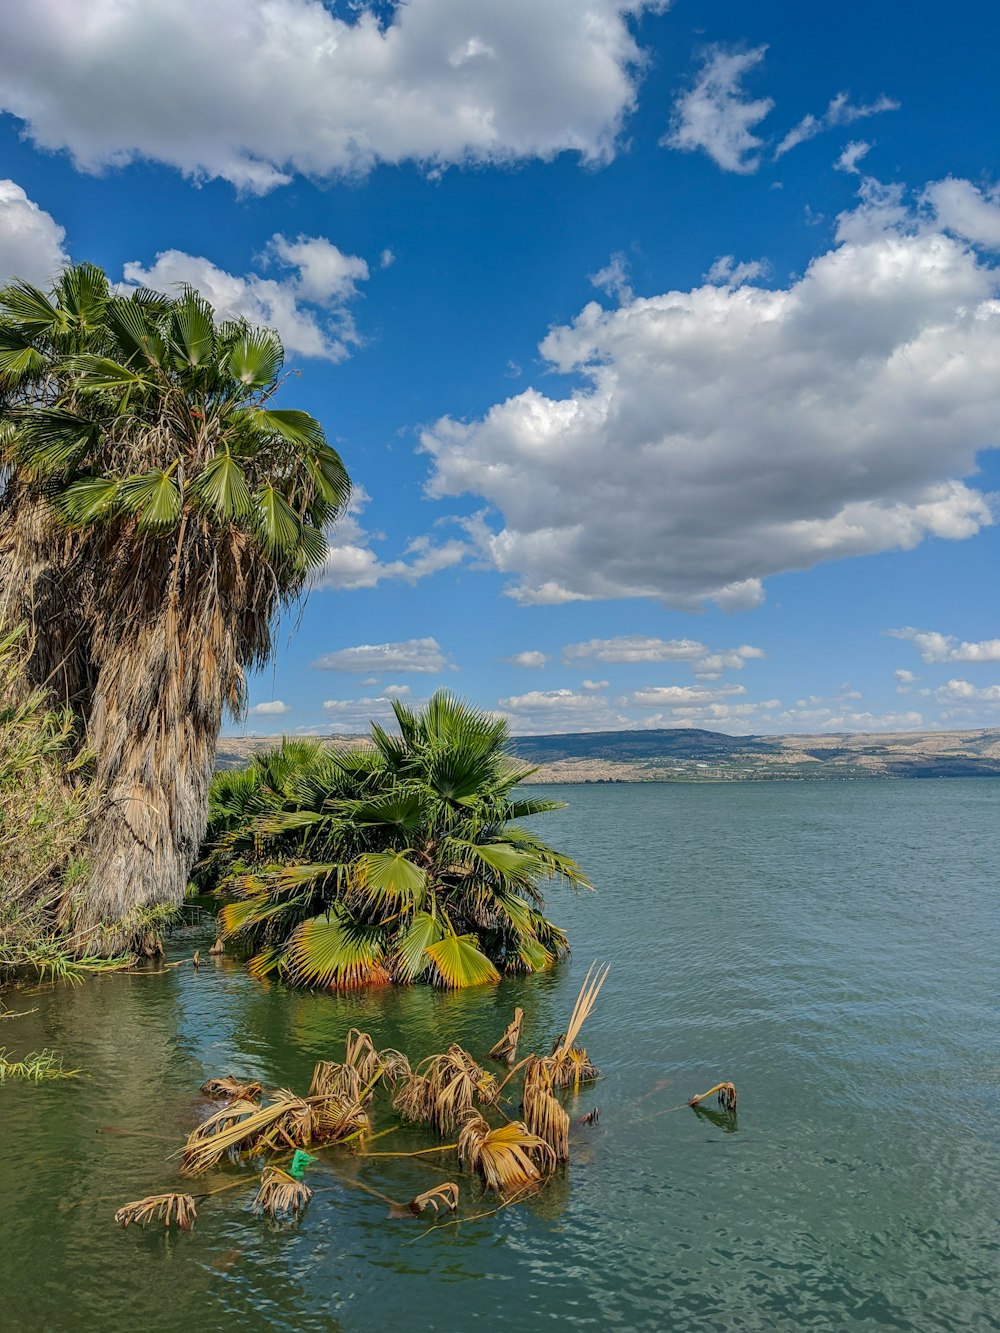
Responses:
[191,511]
[400,861]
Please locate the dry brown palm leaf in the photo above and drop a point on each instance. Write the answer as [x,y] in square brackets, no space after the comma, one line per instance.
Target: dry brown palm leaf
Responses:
[242,1127]
[585,1001]
[572,1067]
[361,1055]
[395,1066]
[726,1096]
[280,1195]
[231,1089]
[543,1113]
[441,1196]
[504,1156]
[174,1210]
[506,1048]
[413,1099]
[457,1083]
[340,1081]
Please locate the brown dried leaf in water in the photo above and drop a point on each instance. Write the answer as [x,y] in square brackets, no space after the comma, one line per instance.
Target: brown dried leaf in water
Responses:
[505,1049]
[504,1156]
[280,1195]
[441,1196]
[726,1096]
[231,1089]
[174,1210]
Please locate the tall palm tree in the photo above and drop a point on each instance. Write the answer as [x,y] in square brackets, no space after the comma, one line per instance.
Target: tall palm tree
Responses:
[400,861]
[191,511]
[38,337]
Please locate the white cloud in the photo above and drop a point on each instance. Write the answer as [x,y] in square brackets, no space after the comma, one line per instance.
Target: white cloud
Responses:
[351,563]
[307,306]
[31,241]
[613,279]
[632,648]
[424,656]
[841,111]
[727,273]
[351,716]
[721,435]
[851,156]
[253,90]
[386,259]
[935,647]
[397,691]
[962,691]
[541,711]
[272,708]
[531,658]
[671,696]
[904,677]
[716,116]
[594,684]
[960,207]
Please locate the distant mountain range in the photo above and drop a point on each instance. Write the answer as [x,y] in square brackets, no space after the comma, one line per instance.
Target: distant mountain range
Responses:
[683,754]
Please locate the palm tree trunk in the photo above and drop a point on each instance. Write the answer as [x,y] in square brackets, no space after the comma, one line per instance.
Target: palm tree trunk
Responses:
[153,727]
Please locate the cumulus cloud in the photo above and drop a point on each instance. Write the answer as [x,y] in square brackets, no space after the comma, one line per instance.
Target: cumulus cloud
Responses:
[563,710]
[841,111]
[307,304]
[351,562]
[717,117]
[532,659]
[424,656]
[904,677]
[260,89]
[272,708]
[720,435]
[31,241]
[960,207]
[632,648]
[935,647]
[670,696]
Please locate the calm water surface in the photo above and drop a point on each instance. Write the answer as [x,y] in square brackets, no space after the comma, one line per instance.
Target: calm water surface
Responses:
[832,948]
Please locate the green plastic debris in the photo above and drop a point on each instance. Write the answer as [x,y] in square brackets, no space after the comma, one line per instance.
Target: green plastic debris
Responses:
[298,1164]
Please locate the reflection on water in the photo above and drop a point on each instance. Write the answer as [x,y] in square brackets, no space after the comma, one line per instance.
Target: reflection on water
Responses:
[830,948]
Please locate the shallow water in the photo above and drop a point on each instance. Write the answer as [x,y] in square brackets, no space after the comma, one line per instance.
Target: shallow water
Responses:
[832,948]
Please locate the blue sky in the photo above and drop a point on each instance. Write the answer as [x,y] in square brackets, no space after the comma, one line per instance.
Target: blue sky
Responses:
[661,341]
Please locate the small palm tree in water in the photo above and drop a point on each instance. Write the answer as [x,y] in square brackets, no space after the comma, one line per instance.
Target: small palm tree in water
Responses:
[186,511]
[403,860]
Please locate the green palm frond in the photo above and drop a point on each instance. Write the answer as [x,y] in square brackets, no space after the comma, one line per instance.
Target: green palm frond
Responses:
[253,356]
[412,944]
[136,332]
[327,951]
[385,878]
[153,497]
[192,331]
[50,440]
[222,486]
[28,306]
[277,522]
[87,500]
[457,963]
[100,372]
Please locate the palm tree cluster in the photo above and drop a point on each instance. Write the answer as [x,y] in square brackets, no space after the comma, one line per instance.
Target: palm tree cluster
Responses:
[157,512]
[401,861]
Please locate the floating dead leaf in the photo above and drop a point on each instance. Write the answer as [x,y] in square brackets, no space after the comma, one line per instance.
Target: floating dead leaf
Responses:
[172,1209]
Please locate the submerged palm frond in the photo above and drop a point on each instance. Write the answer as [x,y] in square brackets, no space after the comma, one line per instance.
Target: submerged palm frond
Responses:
[508,1159]
[455,1084]
[505,1049]
[231,1089]
[280,1195]
[174,1210]
[242,1127]
[441,1196]
[585,1001]
[726,1096]
[544,1114]
[573,1066]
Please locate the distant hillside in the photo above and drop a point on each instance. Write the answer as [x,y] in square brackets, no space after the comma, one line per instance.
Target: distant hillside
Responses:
[692,755]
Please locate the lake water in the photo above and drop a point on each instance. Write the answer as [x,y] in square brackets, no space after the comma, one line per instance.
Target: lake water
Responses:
[831,948]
